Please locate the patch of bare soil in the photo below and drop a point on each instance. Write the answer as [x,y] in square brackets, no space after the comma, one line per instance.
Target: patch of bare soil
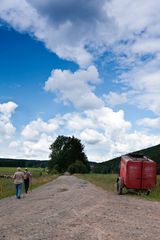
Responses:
[73,209]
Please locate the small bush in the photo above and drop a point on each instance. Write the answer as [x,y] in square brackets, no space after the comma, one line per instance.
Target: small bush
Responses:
[54,171]
[78,167]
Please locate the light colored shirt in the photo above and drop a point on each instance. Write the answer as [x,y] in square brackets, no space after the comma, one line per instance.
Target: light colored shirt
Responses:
[18,177]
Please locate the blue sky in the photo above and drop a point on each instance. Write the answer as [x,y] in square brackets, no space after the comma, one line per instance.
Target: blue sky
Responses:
[87,69]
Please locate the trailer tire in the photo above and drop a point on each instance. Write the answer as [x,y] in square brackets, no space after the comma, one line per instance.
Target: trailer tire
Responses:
[119,186]
[148,192]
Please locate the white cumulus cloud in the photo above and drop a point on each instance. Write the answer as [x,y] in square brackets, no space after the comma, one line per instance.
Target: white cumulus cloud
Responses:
[6,127]
[149,122]
[90,136]
[76,88]
[82,31]
[105,134]
[65,28]
[36,127]
[112,98]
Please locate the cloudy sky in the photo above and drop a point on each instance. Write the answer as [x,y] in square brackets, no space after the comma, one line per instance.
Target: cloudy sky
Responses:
[89,69]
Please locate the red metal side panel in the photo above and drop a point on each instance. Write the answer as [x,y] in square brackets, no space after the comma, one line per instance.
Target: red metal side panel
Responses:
[149,174]
[134,171]
[123,170]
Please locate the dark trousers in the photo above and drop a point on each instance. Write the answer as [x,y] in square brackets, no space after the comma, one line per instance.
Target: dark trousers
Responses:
[26,185]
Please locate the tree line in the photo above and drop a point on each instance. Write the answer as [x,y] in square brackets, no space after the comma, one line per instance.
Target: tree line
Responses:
[68,155]
[9,162]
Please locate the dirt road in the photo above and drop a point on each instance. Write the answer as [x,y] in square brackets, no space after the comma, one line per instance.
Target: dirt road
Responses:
[73,209]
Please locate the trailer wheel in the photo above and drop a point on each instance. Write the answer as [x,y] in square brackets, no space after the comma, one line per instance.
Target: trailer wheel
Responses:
[119,186]
[148,192]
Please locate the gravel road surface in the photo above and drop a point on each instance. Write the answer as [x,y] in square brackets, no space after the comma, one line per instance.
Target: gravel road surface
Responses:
[73,209]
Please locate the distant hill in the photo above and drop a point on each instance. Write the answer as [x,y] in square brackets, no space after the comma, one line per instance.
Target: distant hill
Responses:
[112,166]
[11,162]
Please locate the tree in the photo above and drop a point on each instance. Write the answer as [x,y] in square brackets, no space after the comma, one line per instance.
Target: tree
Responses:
[65,151]
[78,167]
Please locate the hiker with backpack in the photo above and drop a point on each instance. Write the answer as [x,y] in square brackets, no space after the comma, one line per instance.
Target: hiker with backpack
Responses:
[27,177]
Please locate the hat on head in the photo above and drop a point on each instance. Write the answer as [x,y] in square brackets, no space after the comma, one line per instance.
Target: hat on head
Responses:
[18,169]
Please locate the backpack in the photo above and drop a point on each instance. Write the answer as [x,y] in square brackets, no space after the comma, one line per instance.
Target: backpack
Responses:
[26,175]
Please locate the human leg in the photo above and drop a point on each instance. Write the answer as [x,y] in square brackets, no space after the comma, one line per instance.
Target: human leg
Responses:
[19,190]
[16,190]
[26,185]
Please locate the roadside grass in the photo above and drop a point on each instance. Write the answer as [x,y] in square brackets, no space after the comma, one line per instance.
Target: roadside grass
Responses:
[7,187]
[105,181]
[155,193]
[108,183]
[38,181]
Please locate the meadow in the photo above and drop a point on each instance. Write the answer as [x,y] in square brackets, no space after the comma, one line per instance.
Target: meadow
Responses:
[7,187]
[108,183]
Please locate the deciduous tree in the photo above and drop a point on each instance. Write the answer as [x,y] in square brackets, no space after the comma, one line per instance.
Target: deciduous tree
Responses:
[65,151]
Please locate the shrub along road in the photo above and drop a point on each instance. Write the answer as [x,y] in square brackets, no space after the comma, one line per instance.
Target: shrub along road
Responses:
[73,209]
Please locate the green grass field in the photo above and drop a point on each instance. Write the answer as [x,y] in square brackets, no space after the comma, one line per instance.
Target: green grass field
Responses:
[7,187]
[11,170]
[108,183]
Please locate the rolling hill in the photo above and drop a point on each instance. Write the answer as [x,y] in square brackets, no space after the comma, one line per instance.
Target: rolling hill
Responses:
[112,166]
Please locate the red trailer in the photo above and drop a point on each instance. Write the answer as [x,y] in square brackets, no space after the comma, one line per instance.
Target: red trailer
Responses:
[137,172]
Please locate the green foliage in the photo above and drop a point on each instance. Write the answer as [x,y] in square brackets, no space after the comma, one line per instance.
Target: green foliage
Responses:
[8,162]
[65,151]
[53,171]
[112,166]
[78,167]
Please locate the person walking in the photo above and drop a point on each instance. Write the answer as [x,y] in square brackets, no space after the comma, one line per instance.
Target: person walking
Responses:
[27,176]
[18,181]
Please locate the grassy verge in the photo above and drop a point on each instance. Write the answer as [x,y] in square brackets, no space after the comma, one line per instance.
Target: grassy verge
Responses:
[38,181]
[7,187]
[107,182]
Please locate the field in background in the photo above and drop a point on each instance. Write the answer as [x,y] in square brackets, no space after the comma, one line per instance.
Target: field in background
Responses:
[7,187]
[108,183]
[12,170]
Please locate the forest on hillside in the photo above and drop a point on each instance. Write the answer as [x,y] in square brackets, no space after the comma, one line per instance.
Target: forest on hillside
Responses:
[112,166]
[9,162]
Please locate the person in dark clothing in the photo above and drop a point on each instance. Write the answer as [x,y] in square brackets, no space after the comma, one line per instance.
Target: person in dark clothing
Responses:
[27,176]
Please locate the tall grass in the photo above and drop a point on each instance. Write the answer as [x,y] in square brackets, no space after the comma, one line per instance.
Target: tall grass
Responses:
[40,180]
[108,183]
[7,187]
[155,193]
[105,181]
